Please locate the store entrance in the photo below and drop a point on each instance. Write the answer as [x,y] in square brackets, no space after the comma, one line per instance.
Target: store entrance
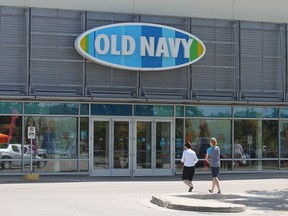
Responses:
[122,147]
[111,147]
[153,149]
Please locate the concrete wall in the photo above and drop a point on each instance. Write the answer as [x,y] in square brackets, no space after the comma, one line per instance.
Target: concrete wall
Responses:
[252,10]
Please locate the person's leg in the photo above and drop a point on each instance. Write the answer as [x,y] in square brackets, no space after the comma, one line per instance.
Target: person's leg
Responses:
[213,185]
[217,184]
[213,171]
[187,182]
[191,186]
[191,176]
[217,180]
[185,176]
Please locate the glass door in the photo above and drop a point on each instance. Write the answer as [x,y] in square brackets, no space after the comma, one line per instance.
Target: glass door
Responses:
[153,147]
[163,147]
[111,147]
[121,148]
[143,149]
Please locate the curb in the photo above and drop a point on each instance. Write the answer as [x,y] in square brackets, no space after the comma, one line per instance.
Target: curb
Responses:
[177,202]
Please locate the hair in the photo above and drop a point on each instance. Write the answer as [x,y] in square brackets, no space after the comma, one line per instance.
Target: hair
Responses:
[213,140]
[188,145]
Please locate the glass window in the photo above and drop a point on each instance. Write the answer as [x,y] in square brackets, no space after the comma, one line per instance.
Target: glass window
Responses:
[12,151]
[284,139]
[247,112]
[163,145]
[199,132]
[15,166]
[251,165]
[179,135]
[101,144]
[255,112]
[56,166]
[179,111]
[56,137]
[154,110]
[15,149]
[143,147]
[111,109]
[270,139]
[284,164]
[258,138]
[10,129]
[84,138]
[121,145]
[284,112]
[208,111]
[178,167]
[84,165]
[51,108]
[268,112]
[4,146]
[10,107]
[84,109]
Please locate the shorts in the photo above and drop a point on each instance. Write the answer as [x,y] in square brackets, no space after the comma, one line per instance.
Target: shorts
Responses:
[237,156]
[188,173]
[215,171]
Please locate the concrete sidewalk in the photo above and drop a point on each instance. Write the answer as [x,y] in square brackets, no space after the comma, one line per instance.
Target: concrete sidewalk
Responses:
[81,195]
[225,203]
[199,202]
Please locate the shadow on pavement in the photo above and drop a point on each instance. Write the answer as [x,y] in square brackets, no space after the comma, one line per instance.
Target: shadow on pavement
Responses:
[264,200]
[275,200]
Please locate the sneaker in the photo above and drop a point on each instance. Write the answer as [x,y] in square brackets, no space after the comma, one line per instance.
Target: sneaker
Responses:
[190,189]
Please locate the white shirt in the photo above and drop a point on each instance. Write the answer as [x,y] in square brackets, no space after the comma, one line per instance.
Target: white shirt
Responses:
[189,158]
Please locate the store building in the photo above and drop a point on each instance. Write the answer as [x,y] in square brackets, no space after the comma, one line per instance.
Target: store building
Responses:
[99,120]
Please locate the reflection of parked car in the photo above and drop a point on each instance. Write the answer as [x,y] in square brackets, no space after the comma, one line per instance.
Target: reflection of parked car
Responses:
[14,151]
[39,152]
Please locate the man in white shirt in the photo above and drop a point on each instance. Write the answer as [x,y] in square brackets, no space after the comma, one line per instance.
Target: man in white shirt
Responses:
[189,160]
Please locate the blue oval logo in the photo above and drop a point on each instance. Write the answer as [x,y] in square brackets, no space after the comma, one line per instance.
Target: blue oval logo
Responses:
[140,46]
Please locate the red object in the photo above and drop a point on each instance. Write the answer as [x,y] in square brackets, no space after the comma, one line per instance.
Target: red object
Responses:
[4,138]
[12,126]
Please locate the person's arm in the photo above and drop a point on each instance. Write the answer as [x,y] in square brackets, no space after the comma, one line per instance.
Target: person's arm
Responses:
[196,159]
[182,160]
[207,158]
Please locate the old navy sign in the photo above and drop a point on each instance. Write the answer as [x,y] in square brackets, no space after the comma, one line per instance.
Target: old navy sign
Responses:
[140,46]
